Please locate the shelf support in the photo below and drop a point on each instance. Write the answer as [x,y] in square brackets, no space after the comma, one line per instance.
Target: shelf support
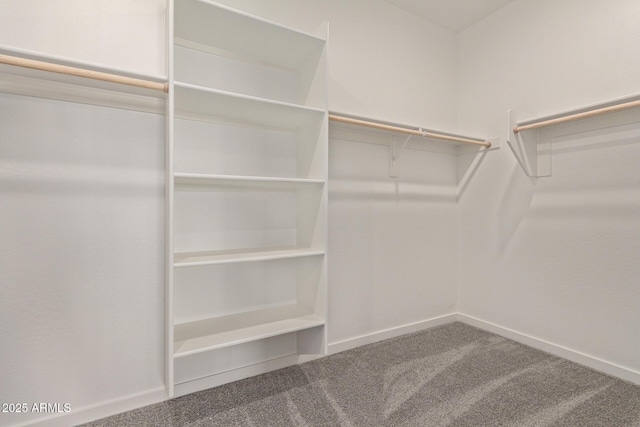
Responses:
[533,155]
[530,140]
[395,155]
[417,132]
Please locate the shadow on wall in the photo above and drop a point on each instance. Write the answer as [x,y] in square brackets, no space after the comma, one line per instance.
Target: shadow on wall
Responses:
[514,205]
[594,179]
[390,190]
[360,170]
[470,170]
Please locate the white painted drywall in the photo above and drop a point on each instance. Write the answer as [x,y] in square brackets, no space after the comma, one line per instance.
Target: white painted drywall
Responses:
[81,253]
[86,210]
[123,34]
[555,258]
[392,241]
[392,250]
[383,62]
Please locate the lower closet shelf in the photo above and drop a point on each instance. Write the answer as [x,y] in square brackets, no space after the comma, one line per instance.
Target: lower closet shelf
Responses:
[212,334]
[192,259]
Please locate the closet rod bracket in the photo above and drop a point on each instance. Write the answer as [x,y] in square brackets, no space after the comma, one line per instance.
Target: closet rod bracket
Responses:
[395,156]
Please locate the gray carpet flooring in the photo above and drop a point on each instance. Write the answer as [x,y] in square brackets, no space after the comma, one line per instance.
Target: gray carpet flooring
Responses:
[451,375]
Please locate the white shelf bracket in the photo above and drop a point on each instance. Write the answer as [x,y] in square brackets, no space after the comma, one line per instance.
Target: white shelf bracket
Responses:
[395,155]
[533,153]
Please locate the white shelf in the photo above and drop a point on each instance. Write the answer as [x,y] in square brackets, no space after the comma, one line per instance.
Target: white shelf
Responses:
[212,334]
[248,103]
[194,259]
[246,182]
[238,33]
[202,103]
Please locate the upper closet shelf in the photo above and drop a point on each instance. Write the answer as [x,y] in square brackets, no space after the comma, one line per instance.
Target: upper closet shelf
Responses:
[206,104]
[214,26]
[445,142]
[533,148]
[193,180]
[195,259]
[449,137]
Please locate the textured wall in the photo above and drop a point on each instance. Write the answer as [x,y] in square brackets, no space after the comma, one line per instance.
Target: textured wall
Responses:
[392,241]
[83,314]
[555,258]
[81,258]
[383,62]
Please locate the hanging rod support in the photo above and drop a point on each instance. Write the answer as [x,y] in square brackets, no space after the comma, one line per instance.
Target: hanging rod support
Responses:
[81,72]
[577,116]
[395,155]
[397,150]
[415,132]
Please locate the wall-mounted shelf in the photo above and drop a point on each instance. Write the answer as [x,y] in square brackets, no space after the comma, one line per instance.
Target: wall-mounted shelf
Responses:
[201,103]
[195,259]
[247,174]
[213,334]
[351,127]
[530,139]
[187,180]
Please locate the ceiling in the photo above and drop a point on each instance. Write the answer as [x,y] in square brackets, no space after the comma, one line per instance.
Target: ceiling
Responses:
[455,15]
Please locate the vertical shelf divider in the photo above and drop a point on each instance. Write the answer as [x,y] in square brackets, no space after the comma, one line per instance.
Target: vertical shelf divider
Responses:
[169,134]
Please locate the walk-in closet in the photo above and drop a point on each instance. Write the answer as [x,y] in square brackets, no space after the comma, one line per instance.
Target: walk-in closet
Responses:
[304,212]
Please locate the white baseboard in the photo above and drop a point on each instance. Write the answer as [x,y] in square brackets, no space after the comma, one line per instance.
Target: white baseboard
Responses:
[91,413]
[555,349]
[101,410]
[361,340]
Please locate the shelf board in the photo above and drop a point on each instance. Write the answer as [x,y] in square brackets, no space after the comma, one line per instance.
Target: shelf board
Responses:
[248,182]
[194,259]
[212,334]
[239,33]
[203,103]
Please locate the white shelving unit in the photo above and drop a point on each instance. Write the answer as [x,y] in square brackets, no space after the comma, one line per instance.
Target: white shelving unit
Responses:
[247,195]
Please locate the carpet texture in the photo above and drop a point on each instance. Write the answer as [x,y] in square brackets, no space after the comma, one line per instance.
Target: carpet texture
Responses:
[452,375]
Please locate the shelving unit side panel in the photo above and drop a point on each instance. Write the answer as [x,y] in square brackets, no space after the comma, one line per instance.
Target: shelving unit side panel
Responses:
[313,150]
[169,201]
[311,218]
[312,74]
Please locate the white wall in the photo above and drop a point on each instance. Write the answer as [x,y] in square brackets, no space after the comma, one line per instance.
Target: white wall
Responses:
[555,258]
[392,241]
[117,33]
[82,234]
[383,62]
[82,316]
[81,255]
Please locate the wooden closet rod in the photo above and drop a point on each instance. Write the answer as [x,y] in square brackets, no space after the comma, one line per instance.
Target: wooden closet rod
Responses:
[81,72]
[415,132]
[577,116]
